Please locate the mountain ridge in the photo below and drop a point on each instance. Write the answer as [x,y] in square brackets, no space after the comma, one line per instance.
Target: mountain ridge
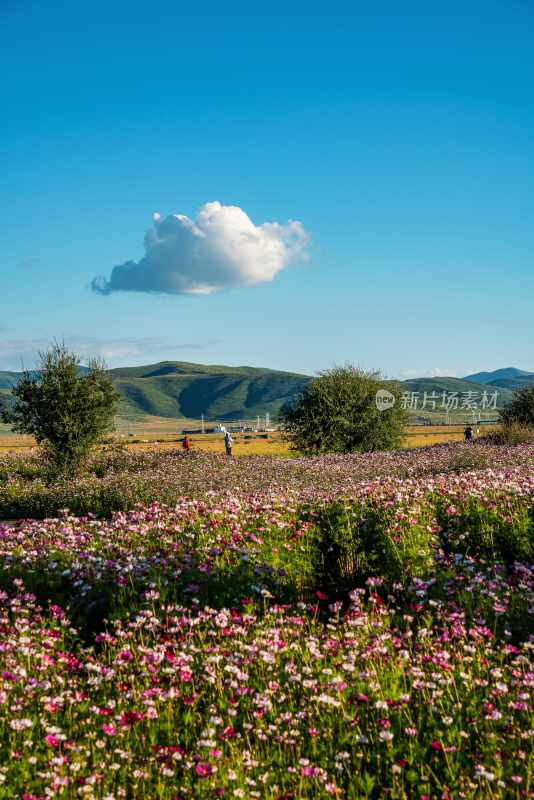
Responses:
[505,373]
[186,390]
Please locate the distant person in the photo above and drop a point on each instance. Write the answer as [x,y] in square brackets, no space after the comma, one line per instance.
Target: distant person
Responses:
[228,442]
[468,433]
[186,443]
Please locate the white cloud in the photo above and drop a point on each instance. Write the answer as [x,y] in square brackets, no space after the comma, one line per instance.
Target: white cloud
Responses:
[434,372]
[18,353]
[222,248]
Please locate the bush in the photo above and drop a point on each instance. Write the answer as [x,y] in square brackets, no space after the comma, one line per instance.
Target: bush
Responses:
[359,542]
[502,534]
[468,459]
[511,433]
[111,458]
[338,413]
[521,410]
[66,411]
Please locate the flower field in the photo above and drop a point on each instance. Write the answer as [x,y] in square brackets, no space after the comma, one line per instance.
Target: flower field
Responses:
[115,480]
[341,627]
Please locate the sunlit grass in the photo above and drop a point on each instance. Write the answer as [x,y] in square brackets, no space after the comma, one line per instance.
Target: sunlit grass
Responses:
[158,433]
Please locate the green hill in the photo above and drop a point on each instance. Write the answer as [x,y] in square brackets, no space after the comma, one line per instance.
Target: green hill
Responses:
[435,407]
[440,385]
[496,378]
[8,379]
[177,389]
[514,383]
[181,390]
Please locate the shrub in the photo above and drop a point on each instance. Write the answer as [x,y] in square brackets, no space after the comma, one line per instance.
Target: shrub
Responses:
[338,413]
[511,433]
[502,534]
[469,458]
[358,542]
[66,411]
[521,409]
[111,458]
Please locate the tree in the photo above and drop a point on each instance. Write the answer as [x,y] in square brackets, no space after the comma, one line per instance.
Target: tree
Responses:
[66,409]
[337,412]
[6,403]
[521,408]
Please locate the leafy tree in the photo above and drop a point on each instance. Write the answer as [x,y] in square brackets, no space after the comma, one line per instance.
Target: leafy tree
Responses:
[337,413]
[6,402]
[66,410]
[521,408]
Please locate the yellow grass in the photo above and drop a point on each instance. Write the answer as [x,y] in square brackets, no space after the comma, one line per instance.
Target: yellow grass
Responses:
[423,435]
[273,446]
[158,433]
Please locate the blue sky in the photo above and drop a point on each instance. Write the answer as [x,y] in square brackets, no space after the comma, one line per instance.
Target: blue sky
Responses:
[401,139]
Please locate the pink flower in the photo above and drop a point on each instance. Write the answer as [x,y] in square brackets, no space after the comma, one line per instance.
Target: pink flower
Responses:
[129,718]
[125,656]
[111,730]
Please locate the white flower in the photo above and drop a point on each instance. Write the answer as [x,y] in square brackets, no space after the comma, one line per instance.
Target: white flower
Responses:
[385,736]
[20,724]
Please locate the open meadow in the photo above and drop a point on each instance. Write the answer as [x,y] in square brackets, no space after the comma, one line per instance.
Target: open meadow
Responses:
[161,433]
[183,625]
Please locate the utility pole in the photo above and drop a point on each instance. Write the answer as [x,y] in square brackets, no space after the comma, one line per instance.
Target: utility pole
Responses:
[203,423]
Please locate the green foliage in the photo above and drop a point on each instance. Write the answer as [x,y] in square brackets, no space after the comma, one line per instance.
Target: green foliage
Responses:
[511,433]
[472,457]
[521,409]
[113,458]
[502,534]
[67,412]
[6,402]
[337,413]
[356,542]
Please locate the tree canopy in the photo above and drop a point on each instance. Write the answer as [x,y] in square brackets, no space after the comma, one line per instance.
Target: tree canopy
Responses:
[66,408]
[338,412]
[521,409]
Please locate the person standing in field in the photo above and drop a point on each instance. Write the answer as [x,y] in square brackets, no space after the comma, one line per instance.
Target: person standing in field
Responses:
[468,433]
[186,443]
[228,442]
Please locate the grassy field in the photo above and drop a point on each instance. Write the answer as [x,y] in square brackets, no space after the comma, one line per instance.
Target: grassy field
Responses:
[162,433]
